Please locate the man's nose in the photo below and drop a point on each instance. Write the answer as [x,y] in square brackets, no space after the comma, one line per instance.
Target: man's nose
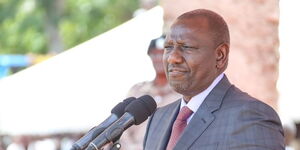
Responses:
[175,57]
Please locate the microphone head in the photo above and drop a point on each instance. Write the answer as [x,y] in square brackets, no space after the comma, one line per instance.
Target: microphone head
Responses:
[142,108]
[119,109]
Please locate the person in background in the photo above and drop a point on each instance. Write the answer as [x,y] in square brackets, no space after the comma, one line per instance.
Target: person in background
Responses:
[158,88]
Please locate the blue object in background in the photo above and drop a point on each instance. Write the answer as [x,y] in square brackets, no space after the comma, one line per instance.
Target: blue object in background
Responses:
[10,61]
[3,71]
[14,60]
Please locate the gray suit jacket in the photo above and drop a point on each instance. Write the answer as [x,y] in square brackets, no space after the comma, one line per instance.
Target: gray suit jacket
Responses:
[228,119]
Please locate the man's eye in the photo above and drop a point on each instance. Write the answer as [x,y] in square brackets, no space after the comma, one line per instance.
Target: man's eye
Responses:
[187,47]
[168,47]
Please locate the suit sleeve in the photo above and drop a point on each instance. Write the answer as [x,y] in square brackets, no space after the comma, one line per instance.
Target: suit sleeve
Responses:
[258,127]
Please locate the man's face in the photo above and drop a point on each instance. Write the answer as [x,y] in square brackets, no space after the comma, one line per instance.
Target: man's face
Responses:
[156,56]
[189,57]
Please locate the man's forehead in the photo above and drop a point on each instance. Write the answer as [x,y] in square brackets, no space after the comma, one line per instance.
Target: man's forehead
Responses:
[188,27]
[192,23]
[199,20]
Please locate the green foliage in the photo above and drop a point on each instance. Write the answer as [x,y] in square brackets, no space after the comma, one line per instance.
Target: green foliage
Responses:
[22,23]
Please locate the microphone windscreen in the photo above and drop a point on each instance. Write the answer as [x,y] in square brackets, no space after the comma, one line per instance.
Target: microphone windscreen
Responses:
[119,109]
[141,109]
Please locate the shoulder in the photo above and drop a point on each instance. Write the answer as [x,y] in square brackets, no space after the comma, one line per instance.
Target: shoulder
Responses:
[234,97]
[253,121]
[140,88]
[237,101]
[141,85]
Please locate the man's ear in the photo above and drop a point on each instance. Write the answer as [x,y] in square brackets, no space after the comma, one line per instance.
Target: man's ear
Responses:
[222,52]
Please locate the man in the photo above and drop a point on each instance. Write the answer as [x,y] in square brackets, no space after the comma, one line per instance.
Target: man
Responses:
[213,113]
[159,89]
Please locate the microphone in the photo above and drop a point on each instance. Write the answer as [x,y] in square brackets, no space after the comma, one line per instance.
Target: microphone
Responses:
[135,113]
[116,113]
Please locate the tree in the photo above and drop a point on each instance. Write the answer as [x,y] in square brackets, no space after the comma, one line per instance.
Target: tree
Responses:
[43,26]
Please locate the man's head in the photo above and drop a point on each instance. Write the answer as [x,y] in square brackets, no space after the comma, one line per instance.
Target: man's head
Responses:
[196,51]
[155,52]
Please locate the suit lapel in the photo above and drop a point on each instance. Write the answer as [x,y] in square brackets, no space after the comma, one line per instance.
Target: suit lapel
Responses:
[166,123]
[204,115]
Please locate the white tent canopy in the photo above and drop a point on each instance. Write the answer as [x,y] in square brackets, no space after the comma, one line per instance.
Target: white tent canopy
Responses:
[76,90]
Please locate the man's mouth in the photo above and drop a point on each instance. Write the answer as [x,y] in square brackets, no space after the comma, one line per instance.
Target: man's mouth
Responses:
[176,72]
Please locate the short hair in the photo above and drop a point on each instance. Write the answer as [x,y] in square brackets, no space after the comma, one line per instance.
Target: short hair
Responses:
[217,24]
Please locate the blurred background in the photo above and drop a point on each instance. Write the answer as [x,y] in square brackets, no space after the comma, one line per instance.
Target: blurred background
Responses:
[65,63]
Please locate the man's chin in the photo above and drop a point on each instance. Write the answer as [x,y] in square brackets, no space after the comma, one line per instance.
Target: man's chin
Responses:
[178,87]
